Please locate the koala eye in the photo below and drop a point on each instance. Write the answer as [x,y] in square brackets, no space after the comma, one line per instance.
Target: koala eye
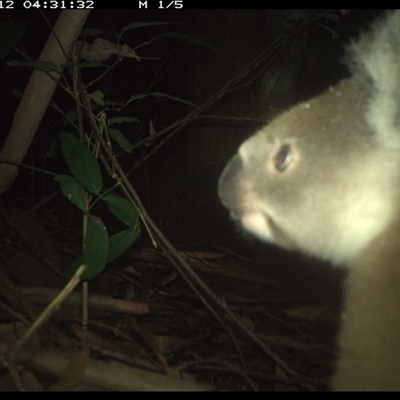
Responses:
[283,158]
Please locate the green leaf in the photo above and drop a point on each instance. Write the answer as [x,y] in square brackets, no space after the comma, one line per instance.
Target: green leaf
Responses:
[72,115]
[120,120]
[46,66]
[173,98]
[123,210]
[72,190]
[97,97]
[333,33]
[10,35]
[81,163]
[120,139]
[120,242]
[135,25]
[95,253]
[159,94]
[85,64]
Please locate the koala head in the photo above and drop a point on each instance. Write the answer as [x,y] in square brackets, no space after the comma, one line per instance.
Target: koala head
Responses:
[318,178]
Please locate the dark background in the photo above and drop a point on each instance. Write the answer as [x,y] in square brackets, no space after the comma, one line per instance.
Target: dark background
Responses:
[178,183]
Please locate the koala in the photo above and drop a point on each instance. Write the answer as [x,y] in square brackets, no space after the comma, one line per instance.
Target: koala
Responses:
[324,178]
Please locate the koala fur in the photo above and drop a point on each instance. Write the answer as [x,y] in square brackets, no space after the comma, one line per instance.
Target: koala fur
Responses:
[324,178]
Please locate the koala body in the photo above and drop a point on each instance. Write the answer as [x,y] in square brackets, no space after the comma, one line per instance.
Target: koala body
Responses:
[324,178]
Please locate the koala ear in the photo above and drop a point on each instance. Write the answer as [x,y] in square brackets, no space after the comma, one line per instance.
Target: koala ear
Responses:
[374,61]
